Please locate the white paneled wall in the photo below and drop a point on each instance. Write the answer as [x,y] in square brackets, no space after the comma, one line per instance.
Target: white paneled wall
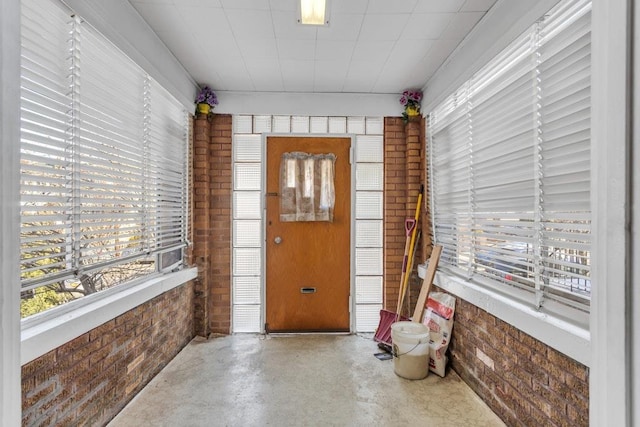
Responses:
[248,211]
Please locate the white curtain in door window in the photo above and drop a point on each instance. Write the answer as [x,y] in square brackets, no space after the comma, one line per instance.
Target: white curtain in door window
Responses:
[308,178]
[291,172]
[307,191]
[327,191]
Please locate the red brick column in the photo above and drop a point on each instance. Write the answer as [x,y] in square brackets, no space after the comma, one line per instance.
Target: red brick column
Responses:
[404,173]
[414,143]
[220,219]
[415,178]
[395,207]
[201,223]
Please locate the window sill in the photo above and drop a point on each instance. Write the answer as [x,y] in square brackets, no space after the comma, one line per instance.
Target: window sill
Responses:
[568,338]
[42,334]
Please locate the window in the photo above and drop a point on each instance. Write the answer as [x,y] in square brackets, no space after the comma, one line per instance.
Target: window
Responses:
[307,187]
[510,166]
[103,163]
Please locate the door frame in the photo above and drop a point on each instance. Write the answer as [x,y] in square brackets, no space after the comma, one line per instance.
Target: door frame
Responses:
[352,230]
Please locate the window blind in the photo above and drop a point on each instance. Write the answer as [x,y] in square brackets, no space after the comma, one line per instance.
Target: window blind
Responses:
[449,125]
[565,144]
[166,186]
[46,144]
[109,152]
[510,154]
[103,159]
[503,181]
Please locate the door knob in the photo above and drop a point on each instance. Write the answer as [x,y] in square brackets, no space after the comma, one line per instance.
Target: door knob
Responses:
[277,240]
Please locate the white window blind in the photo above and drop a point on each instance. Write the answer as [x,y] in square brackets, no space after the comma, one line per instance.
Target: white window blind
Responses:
[103,159]
[565,139]
[168,132]
[46,144]
[109,154]
[502,165]
[166,187]
[511,165]
[452,219]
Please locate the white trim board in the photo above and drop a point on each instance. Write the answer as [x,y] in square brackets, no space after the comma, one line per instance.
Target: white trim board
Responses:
[569,339]
[610,401]
[635,227]
[10,395]
[308,104]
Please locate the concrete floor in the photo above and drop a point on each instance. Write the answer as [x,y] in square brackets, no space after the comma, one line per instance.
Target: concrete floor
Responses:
[298,380]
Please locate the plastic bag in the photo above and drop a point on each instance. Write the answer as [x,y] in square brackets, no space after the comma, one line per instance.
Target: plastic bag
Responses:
[438,318]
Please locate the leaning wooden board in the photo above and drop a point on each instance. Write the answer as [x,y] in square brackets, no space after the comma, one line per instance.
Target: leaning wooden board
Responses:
[426,284]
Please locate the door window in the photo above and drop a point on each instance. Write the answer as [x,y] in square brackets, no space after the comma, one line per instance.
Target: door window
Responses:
[307,187]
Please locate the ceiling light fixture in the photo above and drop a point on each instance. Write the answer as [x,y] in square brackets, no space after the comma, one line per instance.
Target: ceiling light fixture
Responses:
[313,12]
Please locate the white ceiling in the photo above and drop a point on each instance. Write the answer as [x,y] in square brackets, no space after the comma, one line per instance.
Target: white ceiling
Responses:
[370,46]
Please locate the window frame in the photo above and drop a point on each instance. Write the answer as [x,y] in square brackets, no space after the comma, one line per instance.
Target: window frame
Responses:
[49,329]
[46,330]
[76,193]
[561,326]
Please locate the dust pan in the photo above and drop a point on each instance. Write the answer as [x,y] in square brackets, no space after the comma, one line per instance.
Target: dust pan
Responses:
[387,318]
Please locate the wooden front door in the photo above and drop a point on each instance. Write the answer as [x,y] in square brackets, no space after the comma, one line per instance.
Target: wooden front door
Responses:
[308,262]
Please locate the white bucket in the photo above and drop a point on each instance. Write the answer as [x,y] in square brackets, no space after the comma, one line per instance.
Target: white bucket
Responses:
[410,350]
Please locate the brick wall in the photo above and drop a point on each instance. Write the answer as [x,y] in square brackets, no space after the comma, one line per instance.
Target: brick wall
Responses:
[201,202]
[395,211]
[88,380]
[212,223]
[404,172]
[524,381]
[414,131]
[220,217]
